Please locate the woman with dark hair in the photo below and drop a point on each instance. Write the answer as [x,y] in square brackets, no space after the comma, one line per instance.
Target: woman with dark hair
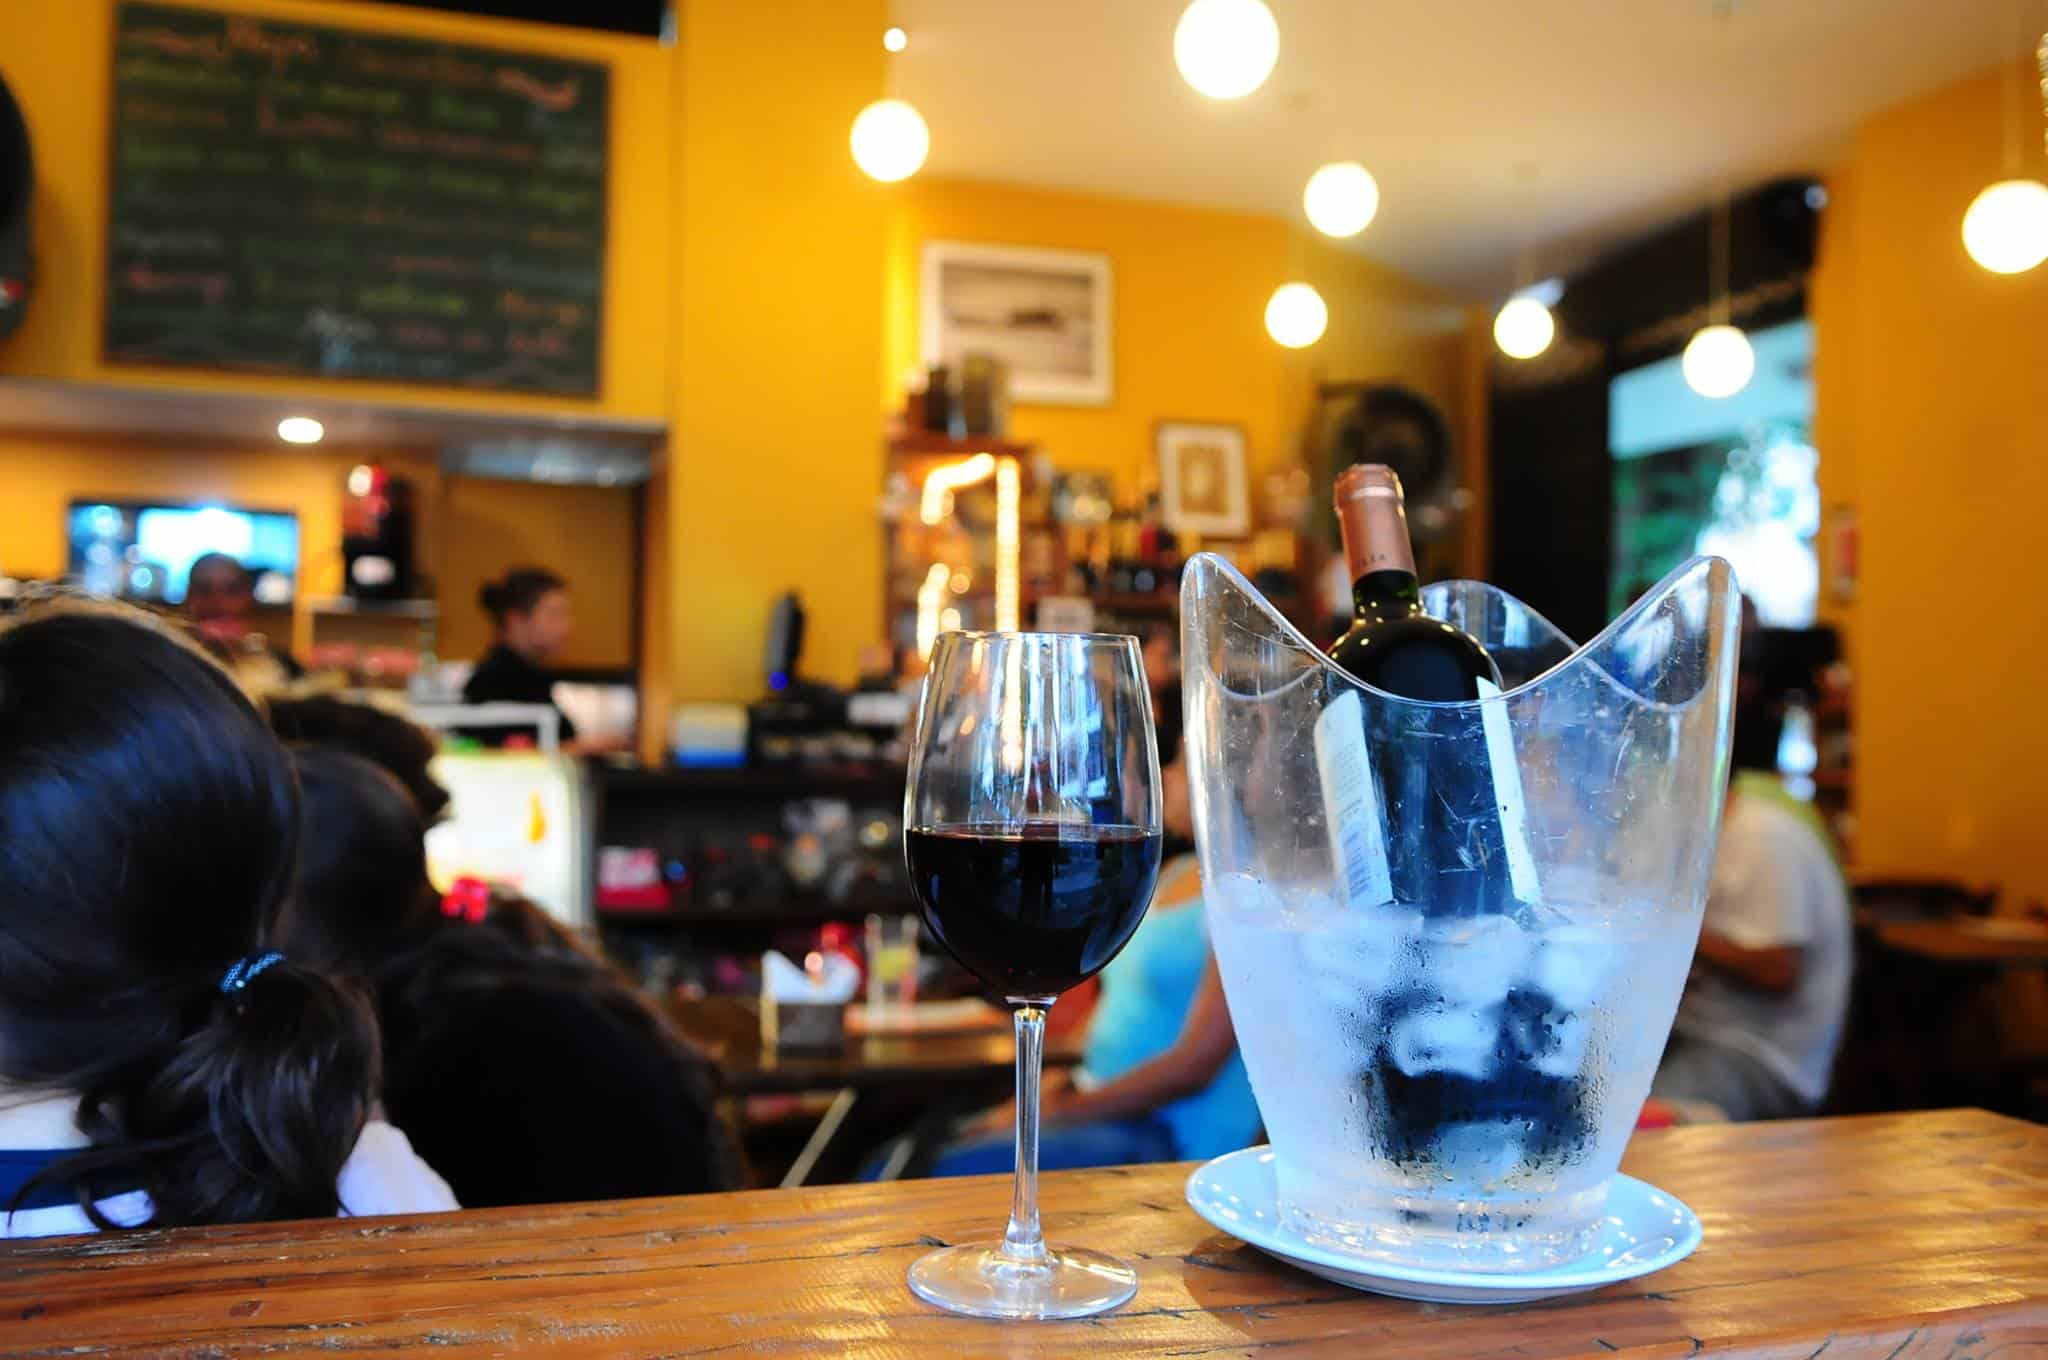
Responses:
[529,609]
[523,1065]
[159,1063]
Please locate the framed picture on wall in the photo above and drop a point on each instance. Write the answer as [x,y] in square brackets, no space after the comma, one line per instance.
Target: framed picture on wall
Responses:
[1046,316]
[1202,483]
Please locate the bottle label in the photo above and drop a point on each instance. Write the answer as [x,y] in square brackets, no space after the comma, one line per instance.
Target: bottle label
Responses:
[1351,803]
[1507,790]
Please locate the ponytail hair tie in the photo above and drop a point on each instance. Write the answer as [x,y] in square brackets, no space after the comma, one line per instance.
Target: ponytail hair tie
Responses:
[246,970]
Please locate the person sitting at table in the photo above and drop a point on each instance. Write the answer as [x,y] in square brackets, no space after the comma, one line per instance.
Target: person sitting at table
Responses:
[517,1060]
[1160,1077]
[160,1062]
[1763,1012]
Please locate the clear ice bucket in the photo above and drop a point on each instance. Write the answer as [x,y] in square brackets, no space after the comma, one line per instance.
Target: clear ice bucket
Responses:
[1453,935]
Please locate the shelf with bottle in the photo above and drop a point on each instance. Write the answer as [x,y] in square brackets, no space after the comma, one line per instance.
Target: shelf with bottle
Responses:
[1085,556]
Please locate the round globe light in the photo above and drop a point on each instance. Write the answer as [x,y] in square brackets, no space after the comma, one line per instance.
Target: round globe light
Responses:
[895,40]
[2006,228]
[1718,361]
[1523,328]
[1296,316]
[1226,48]
[890,140]
[1341,198]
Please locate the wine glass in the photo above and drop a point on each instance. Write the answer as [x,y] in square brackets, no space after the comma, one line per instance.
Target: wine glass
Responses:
[1031,829]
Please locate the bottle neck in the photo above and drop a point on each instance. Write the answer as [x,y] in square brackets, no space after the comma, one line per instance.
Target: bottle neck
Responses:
[1376,551]
[1388,594]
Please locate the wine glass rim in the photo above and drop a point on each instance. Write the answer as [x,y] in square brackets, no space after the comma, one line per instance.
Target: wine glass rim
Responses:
[991,634]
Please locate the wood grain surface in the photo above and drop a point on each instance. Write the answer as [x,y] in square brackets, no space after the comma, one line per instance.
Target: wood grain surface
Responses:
[1891,1236]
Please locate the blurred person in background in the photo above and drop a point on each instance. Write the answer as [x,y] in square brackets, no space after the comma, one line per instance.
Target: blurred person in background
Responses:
[530,614]
[1762,1015]
[220,595]
[529,1064]
[160,1062]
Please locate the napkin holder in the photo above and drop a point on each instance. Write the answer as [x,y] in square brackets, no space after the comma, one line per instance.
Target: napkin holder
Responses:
[805,1008]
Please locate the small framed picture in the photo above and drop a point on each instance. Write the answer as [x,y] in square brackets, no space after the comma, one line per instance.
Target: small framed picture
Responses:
[1202,482]
[1045,315]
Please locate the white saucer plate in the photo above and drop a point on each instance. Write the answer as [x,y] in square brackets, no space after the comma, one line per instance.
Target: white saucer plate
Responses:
[1643,1230]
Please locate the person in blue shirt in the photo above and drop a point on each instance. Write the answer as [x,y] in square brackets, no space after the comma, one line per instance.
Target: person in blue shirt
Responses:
[1160,1077]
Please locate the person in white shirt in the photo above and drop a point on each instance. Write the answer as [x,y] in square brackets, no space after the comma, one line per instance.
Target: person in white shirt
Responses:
[1762,1016]
[158,1064]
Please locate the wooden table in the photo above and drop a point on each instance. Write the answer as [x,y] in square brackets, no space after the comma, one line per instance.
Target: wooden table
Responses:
[950,1066]
[1887,1236]
[730,1030]
[1977,939]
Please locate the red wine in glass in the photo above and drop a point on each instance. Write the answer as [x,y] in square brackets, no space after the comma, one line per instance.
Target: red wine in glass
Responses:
[1036,909]
[1032,821]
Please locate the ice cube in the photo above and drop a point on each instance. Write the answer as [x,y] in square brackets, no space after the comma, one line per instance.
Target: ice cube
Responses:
[1474,962]
[1572,964]
[1478,1155]
[1361,955]
[1437,1038]
[1565,1053]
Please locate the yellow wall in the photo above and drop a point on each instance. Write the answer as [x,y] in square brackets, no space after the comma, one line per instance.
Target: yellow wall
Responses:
[585,534]
[56,55]
[775,461]
[1190,339]
[759,291]
[1929,384]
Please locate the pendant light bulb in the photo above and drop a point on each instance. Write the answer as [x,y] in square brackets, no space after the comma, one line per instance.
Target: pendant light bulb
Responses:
[1226,48]
[1296,315]
[2006,228]
[1718,361]
[1341,199]
[890,140]
[1523,328]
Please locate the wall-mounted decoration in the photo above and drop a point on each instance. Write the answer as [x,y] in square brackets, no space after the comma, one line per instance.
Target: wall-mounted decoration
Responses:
[289,198]
[1046,315]
[1202,483]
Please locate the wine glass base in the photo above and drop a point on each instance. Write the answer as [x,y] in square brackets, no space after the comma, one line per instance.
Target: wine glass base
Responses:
[980,1281]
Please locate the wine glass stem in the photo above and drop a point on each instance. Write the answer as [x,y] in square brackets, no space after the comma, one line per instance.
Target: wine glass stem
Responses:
[1022,1241]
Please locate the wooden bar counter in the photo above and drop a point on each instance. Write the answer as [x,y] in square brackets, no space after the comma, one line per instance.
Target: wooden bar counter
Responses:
[1892,1236]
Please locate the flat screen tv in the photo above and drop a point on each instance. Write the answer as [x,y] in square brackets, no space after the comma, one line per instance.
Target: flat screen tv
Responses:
[134,550]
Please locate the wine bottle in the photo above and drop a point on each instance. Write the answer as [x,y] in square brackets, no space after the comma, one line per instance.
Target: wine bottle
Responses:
[1391,644]
[1448,797]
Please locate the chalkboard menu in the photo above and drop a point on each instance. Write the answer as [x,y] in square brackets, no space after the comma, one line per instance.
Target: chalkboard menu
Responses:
[294,199]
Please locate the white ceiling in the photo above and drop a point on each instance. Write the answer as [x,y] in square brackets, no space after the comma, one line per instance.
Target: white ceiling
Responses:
[1492,125]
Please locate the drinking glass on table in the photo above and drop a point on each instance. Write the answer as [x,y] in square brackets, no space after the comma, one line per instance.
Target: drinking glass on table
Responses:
[1032,835]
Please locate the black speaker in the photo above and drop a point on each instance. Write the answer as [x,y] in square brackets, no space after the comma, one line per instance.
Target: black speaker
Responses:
[17,190]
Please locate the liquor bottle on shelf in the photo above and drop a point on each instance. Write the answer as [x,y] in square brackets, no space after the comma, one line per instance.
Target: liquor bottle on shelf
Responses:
[1124,530]
[1454,843]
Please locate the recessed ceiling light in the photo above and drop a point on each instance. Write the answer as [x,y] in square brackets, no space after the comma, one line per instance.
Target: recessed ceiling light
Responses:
[300,430]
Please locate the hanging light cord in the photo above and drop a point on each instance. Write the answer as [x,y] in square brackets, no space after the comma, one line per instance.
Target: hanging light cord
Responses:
[1718,224]
[1717,260]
